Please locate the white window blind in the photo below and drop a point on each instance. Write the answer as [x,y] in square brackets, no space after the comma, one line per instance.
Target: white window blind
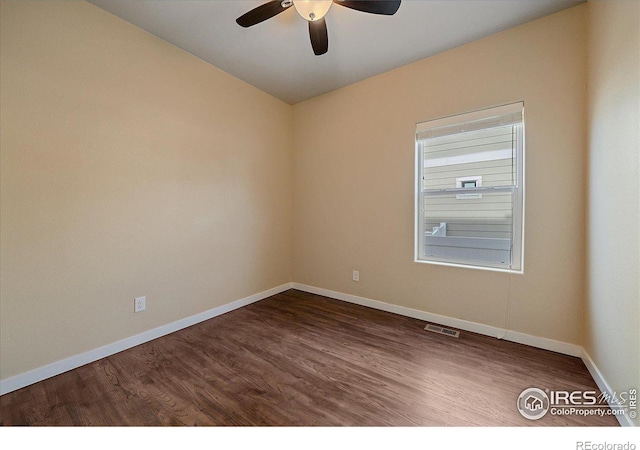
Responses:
[471,223]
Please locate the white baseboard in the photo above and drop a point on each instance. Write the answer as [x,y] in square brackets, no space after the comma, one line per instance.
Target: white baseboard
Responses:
[624,420]
[487,330]
[58,367]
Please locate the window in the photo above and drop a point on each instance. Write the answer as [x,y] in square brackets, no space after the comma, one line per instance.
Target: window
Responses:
[468,182]
[470,189]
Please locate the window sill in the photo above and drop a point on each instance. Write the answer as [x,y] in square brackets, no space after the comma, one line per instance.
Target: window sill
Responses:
[468,266]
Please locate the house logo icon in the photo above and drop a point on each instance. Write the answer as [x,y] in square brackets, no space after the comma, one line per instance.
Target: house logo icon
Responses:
[533,403]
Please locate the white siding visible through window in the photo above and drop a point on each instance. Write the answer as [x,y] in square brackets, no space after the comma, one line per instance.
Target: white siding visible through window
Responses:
[470,178]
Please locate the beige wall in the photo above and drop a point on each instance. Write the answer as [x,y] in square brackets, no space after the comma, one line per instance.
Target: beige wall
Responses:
[364,132]
[612,319]
[129,168]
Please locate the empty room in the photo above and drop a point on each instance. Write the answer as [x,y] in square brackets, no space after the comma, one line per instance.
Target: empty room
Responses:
[348,213]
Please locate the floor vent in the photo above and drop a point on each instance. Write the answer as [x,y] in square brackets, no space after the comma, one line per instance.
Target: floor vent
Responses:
[442,330]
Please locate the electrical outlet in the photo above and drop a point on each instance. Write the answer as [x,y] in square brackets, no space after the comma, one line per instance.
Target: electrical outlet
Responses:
[139,304]
[356,275]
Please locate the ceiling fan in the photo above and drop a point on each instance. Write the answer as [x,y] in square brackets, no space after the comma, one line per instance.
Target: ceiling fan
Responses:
[314,11]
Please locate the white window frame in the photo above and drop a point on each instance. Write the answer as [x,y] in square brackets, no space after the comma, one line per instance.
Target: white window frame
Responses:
[518,192]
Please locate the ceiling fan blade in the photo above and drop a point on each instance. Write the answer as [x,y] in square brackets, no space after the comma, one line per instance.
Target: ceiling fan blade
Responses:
[387,8]
[319,36]
[261,13]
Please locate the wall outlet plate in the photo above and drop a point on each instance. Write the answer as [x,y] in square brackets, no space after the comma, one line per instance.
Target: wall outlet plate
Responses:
[139,304]
[356,275]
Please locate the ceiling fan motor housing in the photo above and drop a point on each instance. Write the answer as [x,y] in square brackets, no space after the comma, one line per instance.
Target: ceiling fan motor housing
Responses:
[312,10]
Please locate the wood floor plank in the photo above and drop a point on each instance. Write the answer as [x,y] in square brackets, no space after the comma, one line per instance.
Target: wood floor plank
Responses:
[302,359]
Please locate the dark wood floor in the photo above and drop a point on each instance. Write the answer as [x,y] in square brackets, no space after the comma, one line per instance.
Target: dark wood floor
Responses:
[302,359]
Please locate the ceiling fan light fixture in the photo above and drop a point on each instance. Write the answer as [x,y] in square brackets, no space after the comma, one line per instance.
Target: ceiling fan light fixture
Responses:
[312,10]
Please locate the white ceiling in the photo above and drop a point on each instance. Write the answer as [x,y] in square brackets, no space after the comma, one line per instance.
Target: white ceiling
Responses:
[276,55]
